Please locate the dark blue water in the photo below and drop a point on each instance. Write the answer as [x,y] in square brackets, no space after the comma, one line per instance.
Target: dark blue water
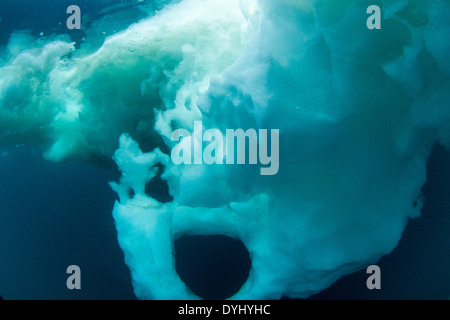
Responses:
[49,17]
[56,215]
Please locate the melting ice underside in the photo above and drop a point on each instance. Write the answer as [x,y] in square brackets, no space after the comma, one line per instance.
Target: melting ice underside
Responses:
[358,113]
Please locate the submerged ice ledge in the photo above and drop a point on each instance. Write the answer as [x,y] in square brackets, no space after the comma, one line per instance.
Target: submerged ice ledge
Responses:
[357,110]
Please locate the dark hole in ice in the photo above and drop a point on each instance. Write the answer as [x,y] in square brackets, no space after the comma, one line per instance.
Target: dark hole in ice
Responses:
[158,189]
[213,267]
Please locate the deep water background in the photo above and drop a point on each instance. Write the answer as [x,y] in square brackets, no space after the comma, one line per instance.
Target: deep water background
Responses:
[53,215]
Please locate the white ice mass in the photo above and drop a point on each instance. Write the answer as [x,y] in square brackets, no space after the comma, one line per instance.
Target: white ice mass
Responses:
[358,112]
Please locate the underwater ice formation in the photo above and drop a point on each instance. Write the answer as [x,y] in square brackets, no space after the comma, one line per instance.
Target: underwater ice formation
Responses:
[358,112]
